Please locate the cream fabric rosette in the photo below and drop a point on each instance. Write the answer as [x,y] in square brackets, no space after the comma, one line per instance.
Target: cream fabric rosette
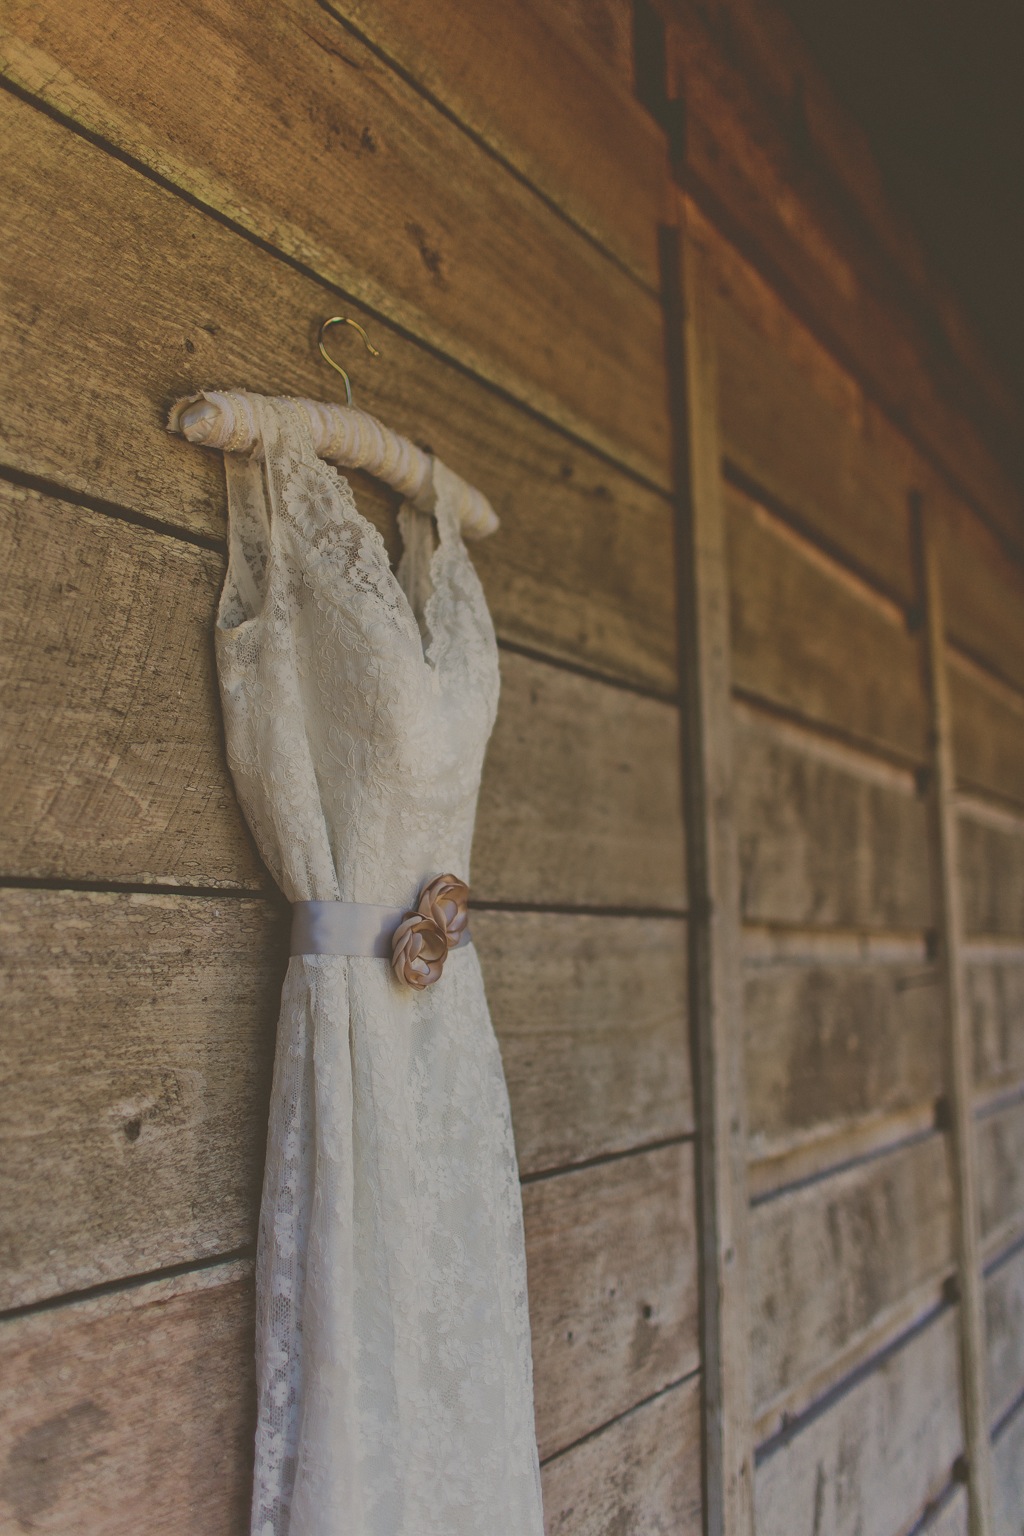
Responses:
[423,938]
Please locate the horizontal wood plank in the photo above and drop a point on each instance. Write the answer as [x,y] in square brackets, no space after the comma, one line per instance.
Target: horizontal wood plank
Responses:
[983,589]
[144,1100]
[828,1260]
[132,1407]
[874,1458]
[1004,1328]
[809,639]
[113,762]
[950,1516]
[152,300]
[590,1013]
[1008,1464]
[1000,1167]
[830,1047]
[827,837]
[371,187]
[611,1254]
[639,1477]
[992,872]
[988,731]
[524,79]
[799,429]
[995,993]
[134,1128]
[613,1309]
[747,167]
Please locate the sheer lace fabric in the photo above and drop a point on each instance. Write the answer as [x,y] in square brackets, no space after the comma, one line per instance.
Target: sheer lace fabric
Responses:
[393,1353]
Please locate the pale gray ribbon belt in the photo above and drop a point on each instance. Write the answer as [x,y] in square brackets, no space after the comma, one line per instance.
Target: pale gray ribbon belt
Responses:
[348,928]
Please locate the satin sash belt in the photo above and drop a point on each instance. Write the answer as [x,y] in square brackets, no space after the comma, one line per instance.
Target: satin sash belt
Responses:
[348,928]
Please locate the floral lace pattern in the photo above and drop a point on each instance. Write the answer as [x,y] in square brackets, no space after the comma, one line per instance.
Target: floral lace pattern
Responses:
[393,1352]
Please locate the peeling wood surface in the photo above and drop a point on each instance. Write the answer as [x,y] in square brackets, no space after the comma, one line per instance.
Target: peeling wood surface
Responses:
[873,1459]
[611,1255]
[114,763]
[152,300]
[398,207]
[827,1261]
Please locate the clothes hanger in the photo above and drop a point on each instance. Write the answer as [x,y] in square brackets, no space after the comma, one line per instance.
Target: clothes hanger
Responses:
[342,434]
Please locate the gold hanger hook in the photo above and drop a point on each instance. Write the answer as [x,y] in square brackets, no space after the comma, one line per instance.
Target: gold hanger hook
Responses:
[343,320]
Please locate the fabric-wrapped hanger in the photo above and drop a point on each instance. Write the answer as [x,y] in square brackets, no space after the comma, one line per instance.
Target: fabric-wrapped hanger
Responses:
[342,434]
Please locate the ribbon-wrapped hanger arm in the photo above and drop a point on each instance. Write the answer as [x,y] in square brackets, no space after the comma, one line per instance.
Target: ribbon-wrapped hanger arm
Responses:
[342,434]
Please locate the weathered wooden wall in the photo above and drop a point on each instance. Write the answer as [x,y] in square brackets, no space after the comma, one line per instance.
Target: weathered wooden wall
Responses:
[189,190]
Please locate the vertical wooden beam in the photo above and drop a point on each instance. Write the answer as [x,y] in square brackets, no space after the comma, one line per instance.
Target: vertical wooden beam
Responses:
[715,934]
[959,1074]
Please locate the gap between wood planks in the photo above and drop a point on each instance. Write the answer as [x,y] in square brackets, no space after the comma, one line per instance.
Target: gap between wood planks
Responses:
[119,513]
[672,1386]
[481,143]
[335,289]
[839,1389]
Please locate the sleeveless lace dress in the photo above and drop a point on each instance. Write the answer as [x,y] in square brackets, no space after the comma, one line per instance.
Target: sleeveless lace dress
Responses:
[393,1353]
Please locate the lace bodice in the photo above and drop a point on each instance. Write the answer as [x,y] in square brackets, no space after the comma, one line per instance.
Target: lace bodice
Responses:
[358,703]
[392,1334]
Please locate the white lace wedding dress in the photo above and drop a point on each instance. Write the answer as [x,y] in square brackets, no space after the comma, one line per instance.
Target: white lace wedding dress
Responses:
[393,1353]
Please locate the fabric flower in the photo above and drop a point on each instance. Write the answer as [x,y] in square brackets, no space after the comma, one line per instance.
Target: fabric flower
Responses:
[418,950]
[446,900]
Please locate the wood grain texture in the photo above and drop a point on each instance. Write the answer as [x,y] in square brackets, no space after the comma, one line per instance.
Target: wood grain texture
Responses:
[827,1261]
[152,300]
[534,86]
[144,1100]
[112,763]
[365,182]
[950,1517]
[1008,1458]
[590,1013]
[875,1457]
[713,873]
[827,837]
[988,731]
[613,1302]
[588,809]
[131,1407]
[134,1123]
[1000,1135]
[944,830]
[113,760]
[992,872]
[995,995]
[984,589]
[611,1255]
[747,166]
[639,1477]
[833,1046]
[800,430]
[809,639]
[1004,1331]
